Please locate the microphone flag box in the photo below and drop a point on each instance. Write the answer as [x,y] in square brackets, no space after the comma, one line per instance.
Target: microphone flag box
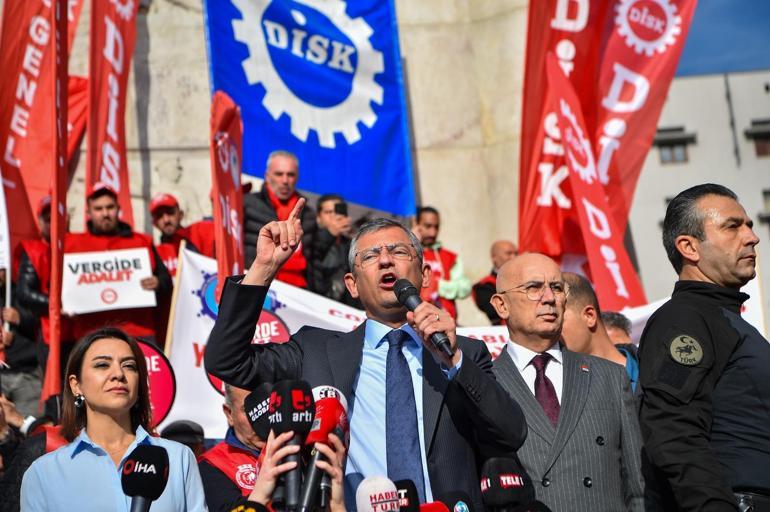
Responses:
[106,280]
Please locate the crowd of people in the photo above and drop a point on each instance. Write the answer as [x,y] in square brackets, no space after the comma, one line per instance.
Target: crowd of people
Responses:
[579,419]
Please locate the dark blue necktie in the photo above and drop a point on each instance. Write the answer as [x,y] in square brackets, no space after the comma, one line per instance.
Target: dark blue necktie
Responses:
[401,432]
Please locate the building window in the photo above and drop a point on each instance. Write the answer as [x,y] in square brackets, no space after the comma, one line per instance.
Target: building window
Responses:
[672,144]
[759,132]
[764,216]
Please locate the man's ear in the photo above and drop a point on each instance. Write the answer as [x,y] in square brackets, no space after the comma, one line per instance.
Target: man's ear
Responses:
[427,275]
[589,317]
[229,413]
[501,307]
[350,284]
[688,247]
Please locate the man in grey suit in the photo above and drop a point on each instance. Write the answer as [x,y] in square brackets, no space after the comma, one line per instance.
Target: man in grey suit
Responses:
[583,451]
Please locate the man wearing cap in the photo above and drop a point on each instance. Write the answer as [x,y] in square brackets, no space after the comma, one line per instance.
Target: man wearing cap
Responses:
[167,217]
[106,232]
[33,282]
[229,469]
[275,201]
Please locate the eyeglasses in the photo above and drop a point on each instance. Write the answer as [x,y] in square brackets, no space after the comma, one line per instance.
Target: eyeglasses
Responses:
[398,251]
[534,290]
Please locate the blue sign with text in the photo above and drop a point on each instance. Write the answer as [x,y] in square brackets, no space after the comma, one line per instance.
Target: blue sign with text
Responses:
[322,79]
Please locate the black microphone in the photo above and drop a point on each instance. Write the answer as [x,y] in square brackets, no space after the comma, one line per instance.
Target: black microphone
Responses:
[506,487]
[408,295]
[144,475]
[256,406]
[408,499]
[292,408]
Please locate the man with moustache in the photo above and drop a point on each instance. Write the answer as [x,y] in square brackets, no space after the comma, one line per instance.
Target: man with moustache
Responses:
[415,413]
[704,371]
[583,448]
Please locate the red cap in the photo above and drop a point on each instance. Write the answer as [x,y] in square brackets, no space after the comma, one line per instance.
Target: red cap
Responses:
[45,203]
[161,200]
[101,186]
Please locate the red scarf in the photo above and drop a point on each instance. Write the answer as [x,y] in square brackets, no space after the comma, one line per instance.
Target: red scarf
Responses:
[293,271]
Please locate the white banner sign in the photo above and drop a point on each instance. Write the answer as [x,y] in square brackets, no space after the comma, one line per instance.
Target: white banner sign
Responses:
[102,281]
[286,309]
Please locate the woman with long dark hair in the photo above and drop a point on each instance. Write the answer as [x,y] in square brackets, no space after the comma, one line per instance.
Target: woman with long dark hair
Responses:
[106,414]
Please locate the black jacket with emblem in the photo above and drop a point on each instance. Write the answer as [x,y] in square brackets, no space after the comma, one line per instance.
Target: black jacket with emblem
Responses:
[705,408]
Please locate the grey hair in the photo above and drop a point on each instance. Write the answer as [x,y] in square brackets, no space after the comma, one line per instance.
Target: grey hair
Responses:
[229,399]
[379,224]
[684,218]
[281,152]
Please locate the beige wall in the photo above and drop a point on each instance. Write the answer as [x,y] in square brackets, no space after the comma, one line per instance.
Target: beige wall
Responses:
[464,62]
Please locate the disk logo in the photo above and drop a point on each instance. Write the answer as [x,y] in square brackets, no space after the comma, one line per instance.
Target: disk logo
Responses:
[246,476]
[316,64]
[461,506]
[578,147]
[648,26]
[207,294]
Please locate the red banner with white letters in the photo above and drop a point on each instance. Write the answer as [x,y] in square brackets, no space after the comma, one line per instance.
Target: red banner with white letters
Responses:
[58,171]
[113,34]
[619,56]
[26,103]
[615,280]
[227,193]
[639,62]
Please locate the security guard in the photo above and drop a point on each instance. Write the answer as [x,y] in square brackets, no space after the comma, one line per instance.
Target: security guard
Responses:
[705,372]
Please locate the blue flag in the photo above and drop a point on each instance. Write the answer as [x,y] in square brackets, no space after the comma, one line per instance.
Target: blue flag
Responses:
[322,79]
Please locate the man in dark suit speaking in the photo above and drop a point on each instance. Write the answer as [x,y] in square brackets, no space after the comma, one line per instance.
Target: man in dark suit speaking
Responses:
[415,413]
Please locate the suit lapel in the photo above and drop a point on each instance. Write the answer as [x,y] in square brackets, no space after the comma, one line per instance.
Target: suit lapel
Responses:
[513,382]
[575,387]
[434,384]
[344,355]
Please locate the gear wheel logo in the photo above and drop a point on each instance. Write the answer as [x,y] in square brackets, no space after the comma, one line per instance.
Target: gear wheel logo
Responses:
[648,26]
[578,147]
[341,117]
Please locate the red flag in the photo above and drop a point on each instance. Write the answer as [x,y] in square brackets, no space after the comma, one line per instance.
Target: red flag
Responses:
[573,30]
[615,280]
[113,34]
[638,65]
[53,378]
[226,137]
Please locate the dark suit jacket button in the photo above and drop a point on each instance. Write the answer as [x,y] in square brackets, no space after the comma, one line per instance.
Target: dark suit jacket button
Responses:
[587,482]
[546,482]
[600,441]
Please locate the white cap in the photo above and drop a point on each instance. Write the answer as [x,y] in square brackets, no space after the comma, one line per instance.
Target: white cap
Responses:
[377,494]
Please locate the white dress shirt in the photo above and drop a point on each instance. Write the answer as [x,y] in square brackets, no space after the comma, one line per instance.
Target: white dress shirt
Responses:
[522,359]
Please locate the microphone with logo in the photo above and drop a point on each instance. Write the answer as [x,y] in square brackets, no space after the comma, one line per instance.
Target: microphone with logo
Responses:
[256,405]
[330,417]
[292,409]
[408,295]
[408,499]
[457,501]
[144,475]
[377,494]
[506,487]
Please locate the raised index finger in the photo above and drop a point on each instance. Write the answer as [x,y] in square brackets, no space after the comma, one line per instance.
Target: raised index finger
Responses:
[297,209]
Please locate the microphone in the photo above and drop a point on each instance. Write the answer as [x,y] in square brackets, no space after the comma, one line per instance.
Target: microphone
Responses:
[408,499]
[376,494]
[457,501]
[506,487]
[330,417]
[144,475]
[256,405]
[292,408]
[433,506]
[408,295]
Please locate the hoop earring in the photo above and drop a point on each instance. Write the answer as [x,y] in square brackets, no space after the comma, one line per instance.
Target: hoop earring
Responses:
[79,401]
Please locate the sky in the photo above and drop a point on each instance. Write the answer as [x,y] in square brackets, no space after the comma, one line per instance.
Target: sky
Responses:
[727,36]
